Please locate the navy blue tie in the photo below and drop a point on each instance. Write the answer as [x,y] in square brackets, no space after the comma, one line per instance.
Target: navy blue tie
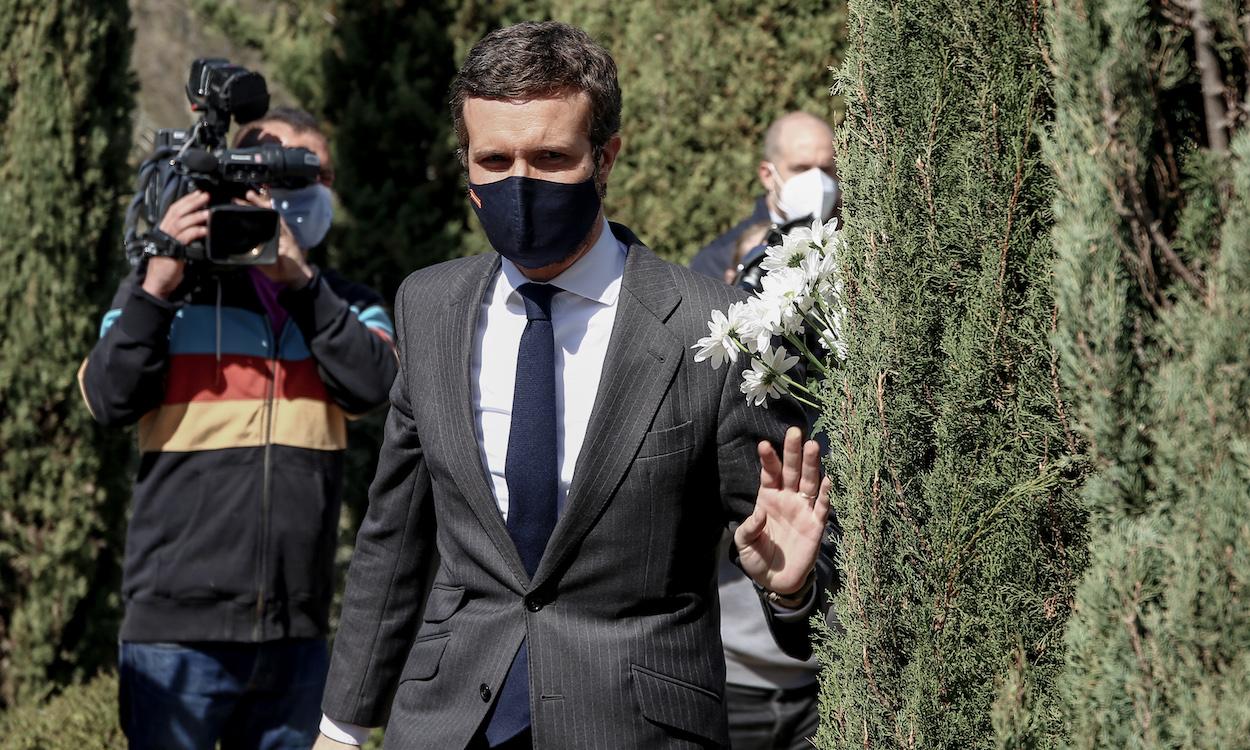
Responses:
[533,480]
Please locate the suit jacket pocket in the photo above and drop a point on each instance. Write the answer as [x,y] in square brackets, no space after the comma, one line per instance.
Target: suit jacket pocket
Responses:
[680,705]
[670,440]
[424,657]
[443,603]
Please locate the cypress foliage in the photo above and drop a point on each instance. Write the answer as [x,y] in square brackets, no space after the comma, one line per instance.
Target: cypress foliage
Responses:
[700,83]
[83,717]
[955,484]
[64,130]
[1153,282]
[386,78]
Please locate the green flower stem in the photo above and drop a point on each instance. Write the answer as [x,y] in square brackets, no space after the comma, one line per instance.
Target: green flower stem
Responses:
[807,353]
[821,314]
[802,400]
[790,382]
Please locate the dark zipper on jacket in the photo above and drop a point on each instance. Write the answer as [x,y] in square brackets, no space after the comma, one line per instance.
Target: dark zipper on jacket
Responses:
[266,481]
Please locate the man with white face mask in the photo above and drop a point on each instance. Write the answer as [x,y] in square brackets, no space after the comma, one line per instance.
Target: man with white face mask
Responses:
[799,178]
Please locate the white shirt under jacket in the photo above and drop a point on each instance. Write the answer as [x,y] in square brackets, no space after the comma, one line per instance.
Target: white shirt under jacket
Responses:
[581,317]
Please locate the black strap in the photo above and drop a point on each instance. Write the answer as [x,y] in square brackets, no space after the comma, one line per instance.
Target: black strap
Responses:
[157,243]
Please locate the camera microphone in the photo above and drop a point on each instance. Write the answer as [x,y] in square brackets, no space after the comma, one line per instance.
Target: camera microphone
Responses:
[198,160]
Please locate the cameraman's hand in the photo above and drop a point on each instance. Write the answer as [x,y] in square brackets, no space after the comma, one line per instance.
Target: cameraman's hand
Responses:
[185,221]
[292,267]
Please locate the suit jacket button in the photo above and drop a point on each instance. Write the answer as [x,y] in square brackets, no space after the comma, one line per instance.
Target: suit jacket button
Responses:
[484,691]
[533,603]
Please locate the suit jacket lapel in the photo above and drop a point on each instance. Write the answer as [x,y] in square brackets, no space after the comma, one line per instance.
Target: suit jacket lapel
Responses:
[463,453]
[642,358]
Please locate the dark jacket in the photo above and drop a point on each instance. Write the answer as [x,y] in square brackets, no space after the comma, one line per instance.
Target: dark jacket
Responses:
[713,259]
[241,437]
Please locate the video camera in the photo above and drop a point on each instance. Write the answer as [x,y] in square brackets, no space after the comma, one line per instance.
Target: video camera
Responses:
[750,275]
[196,159]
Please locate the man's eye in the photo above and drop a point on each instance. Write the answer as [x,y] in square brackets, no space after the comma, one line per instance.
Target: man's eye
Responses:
[552,155]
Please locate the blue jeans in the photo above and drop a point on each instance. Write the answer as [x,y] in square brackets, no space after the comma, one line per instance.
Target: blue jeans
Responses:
[248,696]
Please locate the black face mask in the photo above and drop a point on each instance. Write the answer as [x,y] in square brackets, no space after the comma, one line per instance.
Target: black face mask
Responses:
[535,223]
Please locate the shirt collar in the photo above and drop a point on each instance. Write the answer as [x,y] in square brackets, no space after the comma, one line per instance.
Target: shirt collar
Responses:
[595,276]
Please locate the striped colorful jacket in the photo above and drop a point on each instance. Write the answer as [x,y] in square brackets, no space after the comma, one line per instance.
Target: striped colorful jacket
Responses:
[242,430]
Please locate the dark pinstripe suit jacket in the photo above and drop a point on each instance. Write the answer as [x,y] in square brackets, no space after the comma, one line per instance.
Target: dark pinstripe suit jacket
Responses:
[621,616]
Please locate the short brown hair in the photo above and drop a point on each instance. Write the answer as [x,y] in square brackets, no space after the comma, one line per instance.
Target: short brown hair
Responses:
[536,60]
[301,121]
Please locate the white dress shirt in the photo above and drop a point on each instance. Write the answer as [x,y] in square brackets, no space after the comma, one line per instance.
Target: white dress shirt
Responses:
[581,318]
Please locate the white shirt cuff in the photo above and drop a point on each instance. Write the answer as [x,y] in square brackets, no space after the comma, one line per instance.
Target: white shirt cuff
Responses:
[341,731]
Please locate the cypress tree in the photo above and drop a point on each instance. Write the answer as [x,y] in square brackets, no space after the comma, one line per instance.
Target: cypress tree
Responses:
[386,73]
[952,459]
[386,81]
[65,99]
[1153,281]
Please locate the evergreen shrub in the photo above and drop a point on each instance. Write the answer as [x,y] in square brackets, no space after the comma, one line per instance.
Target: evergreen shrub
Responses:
[81,717]
[1152,229]
[65,101]
[955,478]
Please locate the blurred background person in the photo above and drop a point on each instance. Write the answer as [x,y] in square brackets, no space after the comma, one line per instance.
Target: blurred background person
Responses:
[800,180]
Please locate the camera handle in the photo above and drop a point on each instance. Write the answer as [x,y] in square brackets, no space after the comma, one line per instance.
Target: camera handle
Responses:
[158,244]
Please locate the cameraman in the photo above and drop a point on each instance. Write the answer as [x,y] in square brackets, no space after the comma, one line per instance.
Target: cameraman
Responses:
[241,381]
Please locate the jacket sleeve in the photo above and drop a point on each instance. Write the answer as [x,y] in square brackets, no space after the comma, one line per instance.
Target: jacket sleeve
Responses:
[386,583]
[123,377]
[351,344]
[741,428]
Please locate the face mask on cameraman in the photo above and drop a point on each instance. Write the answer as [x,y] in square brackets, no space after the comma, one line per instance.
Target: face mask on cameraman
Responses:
[308,211]
[809,193]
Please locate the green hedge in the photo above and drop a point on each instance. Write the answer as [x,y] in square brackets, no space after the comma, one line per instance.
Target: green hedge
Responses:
[1152,229]
[65,102]
[963,533]
[81,717]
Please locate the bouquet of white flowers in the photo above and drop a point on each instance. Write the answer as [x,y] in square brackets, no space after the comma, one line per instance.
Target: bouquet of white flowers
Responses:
[802,292]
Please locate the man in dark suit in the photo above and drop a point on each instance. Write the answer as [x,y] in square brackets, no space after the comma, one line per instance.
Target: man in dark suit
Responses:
[558,462]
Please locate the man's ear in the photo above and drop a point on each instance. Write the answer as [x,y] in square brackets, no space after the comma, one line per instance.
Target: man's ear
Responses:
[607,157]
[766,177]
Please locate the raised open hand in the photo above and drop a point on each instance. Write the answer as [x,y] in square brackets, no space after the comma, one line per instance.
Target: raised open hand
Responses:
[778,543]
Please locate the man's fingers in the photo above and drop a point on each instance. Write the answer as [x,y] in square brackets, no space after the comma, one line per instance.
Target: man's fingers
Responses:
[190,201]
[821,506]
[189,220]
[809,482]
[177,217]
[191,234]
[793,452]
[770,466]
